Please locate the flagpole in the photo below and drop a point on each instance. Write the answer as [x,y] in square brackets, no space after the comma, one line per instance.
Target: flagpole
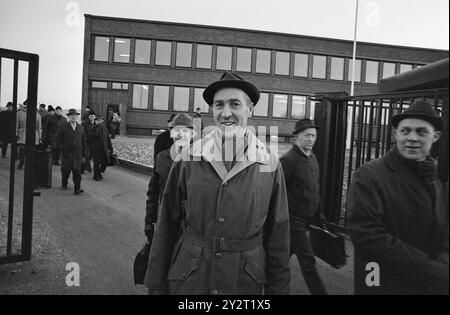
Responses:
[352,89]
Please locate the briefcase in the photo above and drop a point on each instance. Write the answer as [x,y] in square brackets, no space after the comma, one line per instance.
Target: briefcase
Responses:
[113,161]
[328,246]
[141,264]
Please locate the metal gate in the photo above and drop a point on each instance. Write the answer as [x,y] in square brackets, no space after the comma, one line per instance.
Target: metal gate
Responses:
[355,130]
[19,196]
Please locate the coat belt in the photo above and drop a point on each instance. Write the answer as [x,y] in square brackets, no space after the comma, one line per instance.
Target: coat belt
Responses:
[219,244]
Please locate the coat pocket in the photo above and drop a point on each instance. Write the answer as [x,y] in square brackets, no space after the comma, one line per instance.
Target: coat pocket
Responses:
[183,270]
[255,271]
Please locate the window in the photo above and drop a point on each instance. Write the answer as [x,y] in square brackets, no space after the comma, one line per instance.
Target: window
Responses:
[337,68]
[280,105]
[388,69]
[119,86]
[99,85]
[142,51]
[224,58]
[262,107]
[101,48]
[163,53]
[312,109]
[298,106]
[184,55]
[405,67]
[199,101]
[161,97]
[204,56]
[301,65]
[244,59]
[371,71]
[282,63]
[122,50]
[357,70]
[181,99]
[263,61]
[140,96]
[319,67]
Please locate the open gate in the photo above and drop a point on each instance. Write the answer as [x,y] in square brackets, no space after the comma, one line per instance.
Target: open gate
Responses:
[16,196]
[355,130]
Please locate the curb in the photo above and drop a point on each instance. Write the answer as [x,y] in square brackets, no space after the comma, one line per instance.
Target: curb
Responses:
[136,167]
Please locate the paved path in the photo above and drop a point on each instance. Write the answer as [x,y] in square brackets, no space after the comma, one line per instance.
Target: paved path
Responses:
[102,230]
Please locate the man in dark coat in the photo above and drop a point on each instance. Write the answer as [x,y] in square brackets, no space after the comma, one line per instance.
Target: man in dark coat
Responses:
[302,175]
[51,129]
[100,142]
[163,141]
[88,125]
[223,223]
[7,131]
[44,121]
[182,132]
[398,213]
[71,140]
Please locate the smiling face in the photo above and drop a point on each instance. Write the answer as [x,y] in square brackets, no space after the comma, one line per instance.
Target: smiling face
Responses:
[231,109]
[414,138]
[181,135]
[73,118]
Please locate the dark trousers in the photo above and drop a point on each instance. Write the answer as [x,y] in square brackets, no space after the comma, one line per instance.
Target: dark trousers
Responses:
[21,154]
[56,154]
[100,164]
[4,148]
[76,177]
[86,166]
[301,247]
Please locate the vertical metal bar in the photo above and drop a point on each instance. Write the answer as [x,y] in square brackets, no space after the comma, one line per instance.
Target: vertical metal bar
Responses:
[378,124]
[369,137]
[12,166]
[27,227]
[389,125]
[364,138]
[352,137]
[360,133]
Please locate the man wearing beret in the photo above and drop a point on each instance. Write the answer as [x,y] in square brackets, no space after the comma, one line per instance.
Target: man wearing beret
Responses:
[302,176]
[398,213]
[223,224]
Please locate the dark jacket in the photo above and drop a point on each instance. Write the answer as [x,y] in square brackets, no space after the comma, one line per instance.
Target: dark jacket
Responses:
[392,222]
[51,128]
[7,131]
[100,142]
[87,128]
[163,142]
[302,176]
[161,169]
[72,145]
[222,232]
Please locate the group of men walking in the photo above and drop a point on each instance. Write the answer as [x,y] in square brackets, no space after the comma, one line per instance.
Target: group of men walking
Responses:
[73,143]
[224,215]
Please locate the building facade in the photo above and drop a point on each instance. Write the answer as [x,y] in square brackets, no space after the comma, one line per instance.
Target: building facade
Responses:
[147,70]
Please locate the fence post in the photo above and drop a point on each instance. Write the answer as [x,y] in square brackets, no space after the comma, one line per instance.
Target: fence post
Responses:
[331,117]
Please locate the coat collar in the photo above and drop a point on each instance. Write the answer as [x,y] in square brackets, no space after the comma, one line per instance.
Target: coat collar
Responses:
[210,149]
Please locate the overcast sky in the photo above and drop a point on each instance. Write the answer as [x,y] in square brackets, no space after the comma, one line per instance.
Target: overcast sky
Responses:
[54,29]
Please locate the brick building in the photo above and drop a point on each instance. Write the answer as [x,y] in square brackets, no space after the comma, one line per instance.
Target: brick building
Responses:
[148,70]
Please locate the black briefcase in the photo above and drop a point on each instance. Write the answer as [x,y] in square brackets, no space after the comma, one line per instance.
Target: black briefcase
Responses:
[113,161]
[328,246]
[141,264]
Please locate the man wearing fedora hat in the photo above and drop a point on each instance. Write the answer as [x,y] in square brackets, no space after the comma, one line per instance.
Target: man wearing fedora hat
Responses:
[223,225]
[302,173]
[398,213]
[71,140]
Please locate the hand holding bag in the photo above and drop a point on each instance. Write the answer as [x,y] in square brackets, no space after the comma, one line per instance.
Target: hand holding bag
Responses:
[328,246]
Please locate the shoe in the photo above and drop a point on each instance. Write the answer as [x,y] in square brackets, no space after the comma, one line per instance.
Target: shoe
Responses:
[63,187]
[20,167]
[100,176]
[56,163]
[96,178]
[78,191]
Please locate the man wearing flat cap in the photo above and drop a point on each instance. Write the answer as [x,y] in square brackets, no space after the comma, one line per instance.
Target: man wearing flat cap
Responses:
[182,133]
[223,225]
[71,140]
[398,213]
[302,176]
